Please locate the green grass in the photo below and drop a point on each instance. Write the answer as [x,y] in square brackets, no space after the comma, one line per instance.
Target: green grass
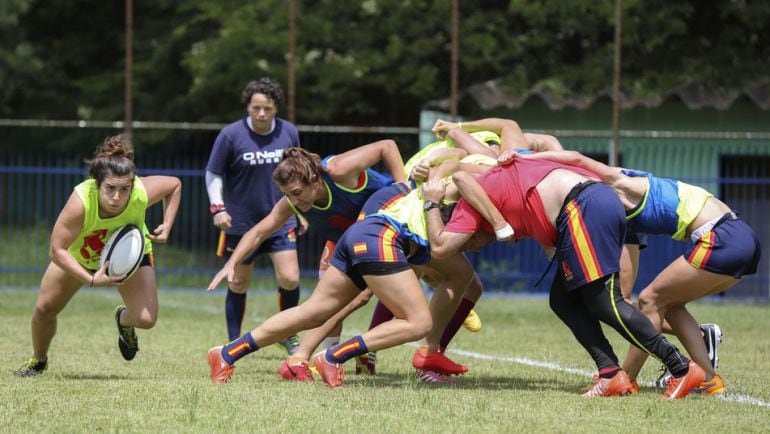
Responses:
[89,387]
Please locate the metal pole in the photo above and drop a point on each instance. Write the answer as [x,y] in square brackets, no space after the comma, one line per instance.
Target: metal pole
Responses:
[615,144]
[128,94]
[292,57]
[455,58]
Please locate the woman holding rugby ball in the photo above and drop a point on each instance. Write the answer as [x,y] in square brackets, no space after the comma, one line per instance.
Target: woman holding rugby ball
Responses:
[111,198]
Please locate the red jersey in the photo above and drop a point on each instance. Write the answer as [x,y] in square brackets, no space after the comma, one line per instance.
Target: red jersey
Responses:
[511,188]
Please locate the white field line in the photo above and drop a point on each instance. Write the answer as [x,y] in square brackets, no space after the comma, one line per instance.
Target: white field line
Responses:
[739,398]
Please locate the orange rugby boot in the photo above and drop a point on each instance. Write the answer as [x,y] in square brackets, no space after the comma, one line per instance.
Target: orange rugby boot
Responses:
[332,373]
[221,371]
[618,385]
[682,386]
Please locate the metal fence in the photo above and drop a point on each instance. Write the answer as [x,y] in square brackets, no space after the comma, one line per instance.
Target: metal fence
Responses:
[36,180]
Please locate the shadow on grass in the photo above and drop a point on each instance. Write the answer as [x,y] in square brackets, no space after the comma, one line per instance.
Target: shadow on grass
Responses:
[401,381]
[464,382]
[98,377]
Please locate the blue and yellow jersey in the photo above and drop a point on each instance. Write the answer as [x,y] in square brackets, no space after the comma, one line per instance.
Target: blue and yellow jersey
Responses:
[407,217]
[87,247]
[344,204]
[405,211]
[668,206]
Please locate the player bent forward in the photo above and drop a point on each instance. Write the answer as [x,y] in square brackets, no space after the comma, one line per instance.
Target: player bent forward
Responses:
[112,197]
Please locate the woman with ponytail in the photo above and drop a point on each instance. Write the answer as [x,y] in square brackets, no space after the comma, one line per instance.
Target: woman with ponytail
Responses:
[112,197]
[329,195]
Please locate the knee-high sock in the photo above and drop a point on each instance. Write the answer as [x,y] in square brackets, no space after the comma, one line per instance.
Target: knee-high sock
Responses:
[345,351]
[288,298]
[238,348]
[381,314]
[456,322]
[235,307]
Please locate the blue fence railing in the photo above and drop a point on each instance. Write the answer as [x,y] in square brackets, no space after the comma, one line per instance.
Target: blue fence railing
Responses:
[34,187]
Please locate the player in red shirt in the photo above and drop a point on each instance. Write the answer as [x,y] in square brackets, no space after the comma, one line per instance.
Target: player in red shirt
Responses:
[582,223]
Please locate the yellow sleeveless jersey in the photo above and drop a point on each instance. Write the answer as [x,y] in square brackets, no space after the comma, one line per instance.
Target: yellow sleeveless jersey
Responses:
[409,211]
[88,245]
[692,199]
[485,137]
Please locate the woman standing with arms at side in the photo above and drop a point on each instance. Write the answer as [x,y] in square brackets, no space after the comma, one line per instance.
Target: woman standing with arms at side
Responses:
[241,192]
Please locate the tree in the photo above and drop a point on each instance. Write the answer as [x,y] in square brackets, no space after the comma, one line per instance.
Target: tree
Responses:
[366,62]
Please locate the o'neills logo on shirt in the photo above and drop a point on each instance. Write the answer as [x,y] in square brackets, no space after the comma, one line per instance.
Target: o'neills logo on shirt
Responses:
[261,157]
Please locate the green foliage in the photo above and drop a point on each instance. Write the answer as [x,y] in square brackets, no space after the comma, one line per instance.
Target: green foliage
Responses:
[19,63]
[361,62]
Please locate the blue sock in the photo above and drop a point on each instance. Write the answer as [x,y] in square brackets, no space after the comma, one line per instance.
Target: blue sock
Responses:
[235,307]
[288,298]
[345,351]
[238,348]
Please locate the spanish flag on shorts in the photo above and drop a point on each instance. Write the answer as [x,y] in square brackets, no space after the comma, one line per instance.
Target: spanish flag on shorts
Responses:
[359,248]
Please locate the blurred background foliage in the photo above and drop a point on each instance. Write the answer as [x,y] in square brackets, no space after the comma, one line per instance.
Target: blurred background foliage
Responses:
[360,62]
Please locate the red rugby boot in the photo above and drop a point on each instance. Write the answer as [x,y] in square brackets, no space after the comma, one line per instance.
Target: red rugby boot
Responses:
[437,362]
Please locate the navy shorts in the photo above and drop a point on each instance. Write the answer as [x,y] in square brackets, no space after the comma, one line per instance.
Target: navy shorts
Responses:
[371,246]
[591,228]
[636,238]
[283,239]
[731,248]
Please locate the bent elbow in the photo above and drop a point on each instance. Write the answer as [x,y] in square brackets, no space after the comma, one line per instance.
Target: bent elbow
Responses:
[55,254]
[439,252]
[459,177]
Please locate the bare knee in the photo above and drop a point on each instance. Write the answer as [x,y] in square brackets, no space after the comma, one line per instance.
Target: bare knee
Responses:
[288,281]
[286,274]
[420,327]
[239,285]
[649,302]
[45,312]
[145,320]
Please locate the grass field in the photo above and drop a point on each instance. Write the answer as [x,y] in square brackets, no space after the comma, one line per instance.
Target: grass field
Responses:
[526,375]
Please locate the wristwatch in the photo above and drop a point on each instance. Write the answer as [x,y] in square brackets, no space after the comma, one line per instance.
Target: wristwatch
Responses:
[216,208]
[429,205]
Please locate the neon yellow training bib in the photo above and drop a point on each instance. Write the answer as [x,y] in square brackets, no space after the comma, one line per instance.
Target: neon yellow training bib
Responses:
[87,247]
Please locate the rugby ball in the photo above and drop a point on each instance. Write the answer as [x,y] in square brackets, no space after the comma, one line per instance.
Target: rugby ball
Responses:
[124,250]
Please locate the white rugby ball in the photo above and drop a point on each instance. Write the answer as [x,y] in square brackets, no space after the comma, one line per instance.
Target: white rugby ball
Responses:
[124,250]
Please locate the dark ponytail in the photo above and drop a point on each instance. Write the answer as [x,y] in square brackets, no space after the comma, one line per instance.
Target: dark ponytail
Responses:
[114,157]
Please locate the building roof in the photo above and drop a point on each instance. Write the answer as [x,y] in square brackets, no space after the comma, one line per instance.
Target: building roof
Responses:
[491,94]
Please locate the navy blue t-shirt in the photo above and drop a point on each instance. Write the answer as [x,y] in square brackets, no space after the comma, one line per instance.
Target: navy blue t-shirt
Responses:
[246,160]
